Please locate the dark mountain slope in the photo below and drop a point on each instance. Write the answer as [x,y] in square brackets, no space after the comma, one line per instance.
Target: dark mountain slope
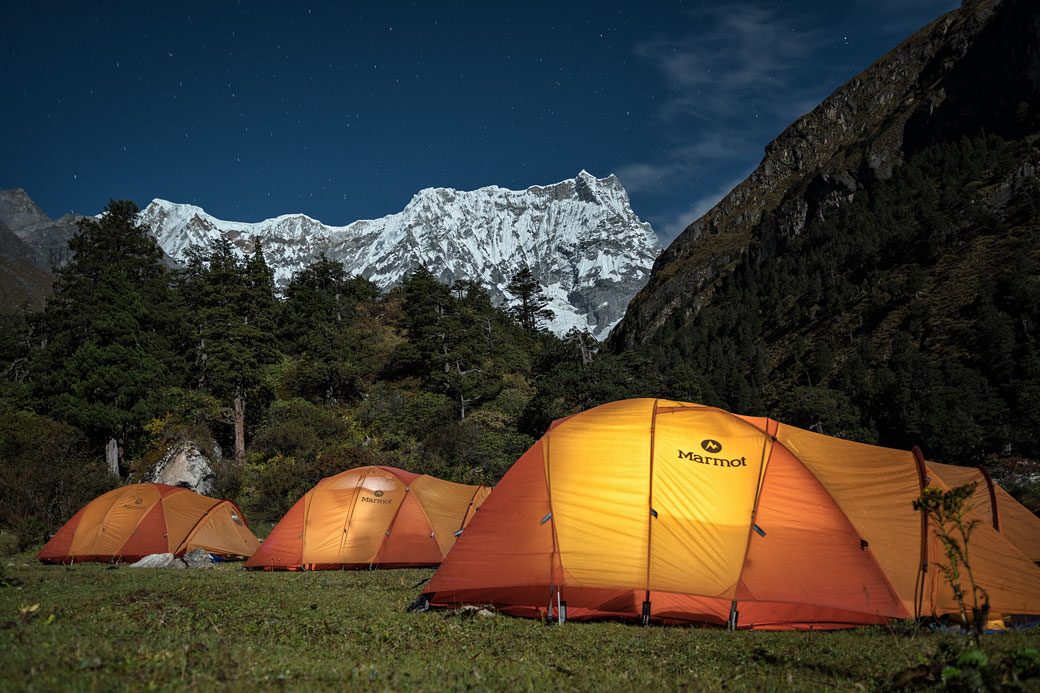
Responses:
[878,277]
[973,68]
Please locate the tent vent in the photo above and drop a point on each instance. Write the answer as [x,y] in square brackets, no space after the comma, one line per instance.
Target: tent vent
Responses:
[653,513]
[761,532]
[546,518]
[458,532]
[863,544]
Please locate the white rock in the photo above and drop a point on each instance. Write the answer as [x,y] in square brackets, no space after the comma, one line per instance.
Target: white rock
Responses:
[185,465]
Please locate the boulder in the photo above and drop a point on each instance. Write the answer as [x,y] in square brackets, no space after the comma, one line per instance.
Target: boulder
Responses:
[159,560]
[198,558]
[186,465]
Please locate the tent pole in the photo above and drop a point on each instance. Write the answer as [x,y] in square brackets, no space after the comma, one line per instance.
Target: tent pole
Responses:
[923,480]
[992,497]
[733,615]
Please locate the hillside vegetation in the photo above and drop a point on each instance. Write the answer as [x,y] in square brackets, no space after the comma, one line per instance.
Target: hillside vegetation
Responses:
[906,317]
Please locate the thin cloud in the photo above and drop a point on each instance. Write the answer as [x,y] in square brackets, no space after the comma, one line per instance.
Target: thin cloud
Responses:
[728,59]
[680,163]
[669,228]
[730,79]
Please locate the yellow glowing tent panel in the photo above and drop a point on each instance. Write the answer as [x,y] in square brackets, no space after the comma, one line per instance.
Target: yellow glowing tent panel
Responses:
[134,521]
[368,517]
[676,512]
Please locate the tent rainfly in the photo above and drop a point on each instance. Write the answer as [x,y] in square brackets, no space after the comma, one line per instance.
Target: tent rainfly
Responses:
[673,512]
[370,517]
[131,522]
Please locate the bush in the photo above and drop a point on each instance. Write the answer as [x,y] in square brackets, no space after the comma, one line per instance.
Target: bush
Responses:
[46,475]
[8,543]
[297,428]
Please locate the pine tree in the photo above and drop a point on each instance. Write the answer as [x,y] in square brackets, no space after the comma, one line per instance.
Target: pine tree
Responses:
[234,313]
[530,303]
[106,338]
[317,329]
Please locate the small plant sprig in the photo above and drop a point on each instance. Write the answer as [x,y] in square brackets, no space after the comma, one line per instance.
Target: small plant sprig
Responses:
[948,510]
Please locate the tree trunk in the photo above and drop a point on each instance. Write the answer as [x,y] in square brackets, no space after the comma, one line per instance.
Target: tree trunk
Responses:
[112,455]
[240,428]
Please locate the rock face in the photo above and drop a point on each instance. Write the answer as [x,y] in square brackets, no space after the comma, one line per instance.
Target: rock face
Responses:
[974,68]
[579,237]
[185,465]
[31,245]
[48,239]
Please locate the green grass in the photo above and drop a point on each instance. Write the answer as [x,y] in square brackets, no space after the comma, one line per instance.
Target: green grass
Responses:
[101,627]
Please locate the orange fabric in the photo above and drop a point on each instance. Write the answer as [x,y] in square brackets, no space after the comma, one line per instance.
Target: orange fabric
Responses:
[400,547]
[1011,580]
[875,488]
[369,516]
[283,547]
[1016,523]
[693,509]
[507,544]
[134,521]
[223,531]
[810,553]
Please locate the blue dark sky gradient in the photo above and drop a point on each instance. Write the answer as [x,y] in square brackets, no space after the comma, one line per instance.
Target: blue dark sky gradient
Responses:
[343,111]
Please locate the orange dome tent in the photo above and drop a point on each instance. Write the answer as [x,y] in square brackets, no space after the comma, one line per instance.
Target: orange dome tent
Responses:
[131,522]
[368,517]
[676,512]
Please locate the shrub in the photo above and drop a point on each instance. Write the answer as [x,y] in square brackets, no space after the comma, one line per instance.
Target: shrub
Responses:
[46,475]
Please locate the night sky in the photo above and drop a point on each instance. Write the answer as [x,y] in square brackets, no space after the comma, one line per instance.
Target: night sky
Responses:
[343,111]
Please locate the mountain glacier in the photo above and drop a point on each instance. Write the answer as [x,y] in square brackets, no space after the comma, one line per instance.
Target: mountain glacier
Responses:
[580,238]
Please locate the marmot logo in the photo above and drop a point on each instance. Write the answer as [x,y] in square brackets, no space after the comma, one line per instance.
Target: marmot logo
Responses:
[377,499]
[712,446]
[139,501]
[716,461]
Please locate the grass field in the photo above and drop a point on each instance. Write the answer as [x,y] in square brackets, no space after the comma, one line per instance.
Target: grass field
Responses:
[99,627]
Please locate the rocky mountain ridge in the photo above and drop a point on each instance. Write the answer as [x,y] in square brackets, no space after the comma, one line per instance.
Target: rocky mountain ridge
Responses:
[973,68]
[580,238]
[31,244]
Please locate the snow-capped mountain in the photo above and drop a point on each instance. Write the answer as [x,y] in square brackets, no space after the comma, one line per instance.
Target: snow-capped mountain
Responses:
[580,238]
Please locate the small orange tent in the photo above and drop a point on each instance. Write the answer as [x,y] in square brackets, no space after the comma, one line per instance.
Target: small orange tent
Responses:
[677,512]
[370,516]
[129,523]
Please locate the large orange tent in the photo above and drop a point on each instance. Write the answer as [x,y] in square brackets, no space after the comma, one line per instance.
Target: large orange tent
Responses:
[676,512]
[131,522]
[369,517]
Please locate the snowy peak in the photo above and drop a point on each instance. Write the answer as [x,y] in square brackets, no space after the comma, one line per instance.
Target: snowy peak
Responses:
[580,237]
